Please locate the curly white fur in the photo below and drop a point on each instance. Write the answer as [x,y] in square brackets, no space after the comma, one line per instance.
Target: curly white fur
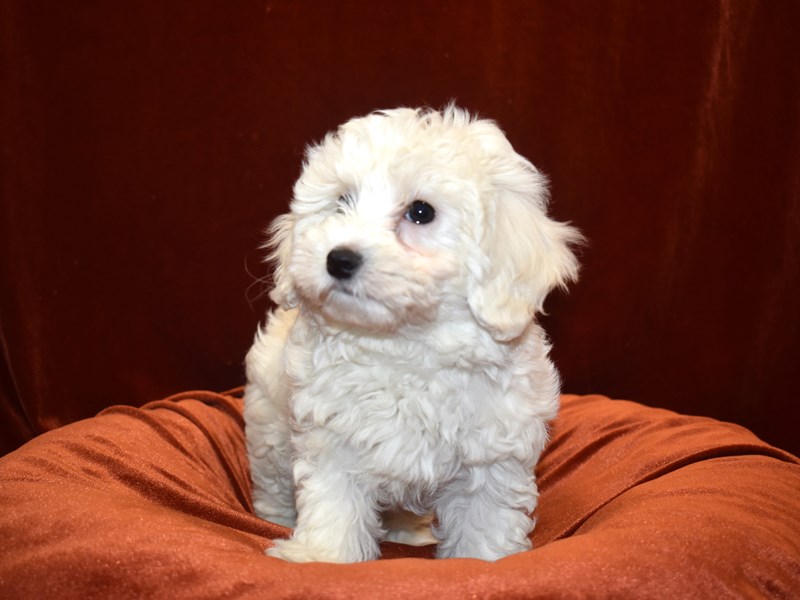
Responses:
[408,373]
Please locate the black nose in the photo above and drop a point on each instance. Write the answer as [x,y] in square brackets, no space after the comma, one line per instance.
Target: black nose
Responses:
[343,263]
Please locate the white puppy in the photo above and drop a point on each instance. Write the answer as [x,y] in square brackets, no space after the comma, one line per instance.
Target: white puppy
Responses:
[404,368]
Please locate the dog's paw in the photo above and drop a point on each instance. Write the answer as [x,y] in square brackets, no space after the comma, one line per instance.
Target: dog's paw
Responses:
[409,537]
[407,528]
[294,551]
[299,551]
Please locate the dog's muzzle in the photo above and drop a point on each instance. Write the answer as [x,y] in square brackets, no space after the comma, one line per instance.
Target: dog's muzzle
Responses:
[342,263]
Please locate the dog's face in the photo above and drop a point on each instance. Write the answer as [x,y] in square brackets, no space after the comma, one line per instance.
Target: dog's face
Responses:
[401,213]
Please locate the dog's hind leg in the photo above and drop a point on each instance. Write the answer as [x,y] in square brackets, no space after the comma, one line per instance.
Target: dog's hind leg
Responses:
[266,416]
[268,448]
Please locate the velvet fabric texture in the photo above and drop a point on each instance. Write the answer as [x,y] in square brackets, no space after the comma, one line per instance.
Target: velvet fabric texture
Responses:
[147,144]
[635,502]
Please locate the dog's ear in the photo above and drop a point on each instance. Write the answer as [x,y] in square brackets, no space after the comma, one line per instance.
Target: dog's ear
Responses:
[280,244]
[523,254]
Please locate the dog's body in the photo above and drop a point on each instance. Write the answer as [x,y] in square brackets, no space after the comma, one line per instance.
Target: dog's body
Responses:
[404,368]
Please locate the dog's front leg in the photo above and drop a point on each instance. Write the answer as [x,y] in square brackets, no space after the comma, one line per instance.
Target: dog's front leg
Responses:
[337,517]
[485,512]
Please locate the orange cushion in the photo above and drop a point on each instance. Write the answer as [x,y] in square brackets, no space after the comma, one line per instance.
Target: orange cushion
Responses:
[635,501]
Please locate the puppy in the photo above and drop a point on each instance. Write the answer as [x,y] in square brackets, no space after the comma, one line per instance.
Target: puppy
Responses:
[404,369]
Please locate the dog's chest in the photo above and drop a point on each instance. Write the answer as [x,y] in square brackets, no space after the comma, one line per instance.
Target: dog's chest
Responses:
[405,416]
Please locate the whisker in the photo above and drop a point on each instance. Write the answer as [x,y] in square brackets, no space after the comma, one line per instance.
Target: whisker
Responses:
[262,285]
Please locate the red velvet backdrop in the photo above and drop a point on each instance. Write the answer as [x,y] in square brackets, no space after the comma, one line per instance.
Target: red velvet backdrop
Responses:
[146,144]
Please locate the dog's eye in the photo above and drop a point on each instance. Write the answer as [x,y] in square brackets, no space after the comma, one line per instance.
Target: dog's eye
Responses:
[344,203]
[420,212]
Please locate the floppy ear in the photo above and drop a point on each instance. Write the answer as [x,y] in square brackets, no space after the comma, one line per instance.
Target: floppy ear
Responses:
[280,243]
[523,254]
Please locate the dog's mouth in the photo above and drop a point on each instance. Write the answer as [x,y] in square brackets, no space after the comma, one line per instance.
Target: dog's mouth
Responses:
[343,297]
[338,289]
[341,289]
[341,305]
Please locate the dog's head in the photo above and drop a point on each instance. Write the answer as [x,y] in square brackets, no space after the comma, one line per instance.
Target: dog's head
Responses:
[405,217]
